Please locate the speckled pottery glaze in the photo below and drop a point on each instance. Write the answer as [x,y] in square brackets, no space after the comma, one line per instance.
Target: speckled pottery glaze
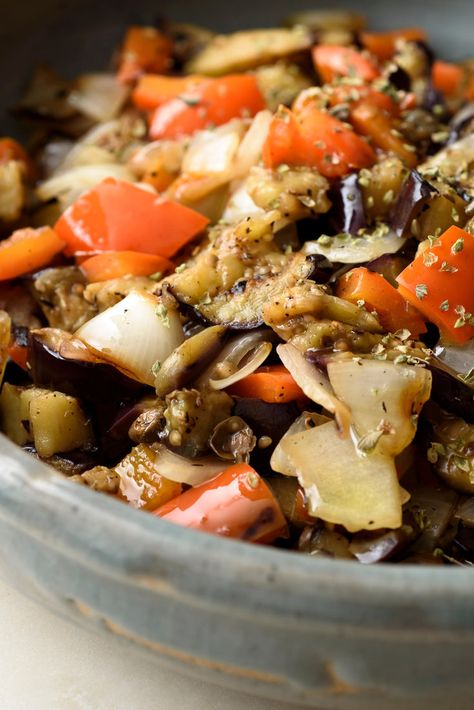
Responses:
[319,633]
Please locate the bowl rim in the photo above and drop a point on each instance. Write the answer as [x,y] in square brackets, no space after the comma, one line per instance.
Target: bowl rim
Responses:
[31,492]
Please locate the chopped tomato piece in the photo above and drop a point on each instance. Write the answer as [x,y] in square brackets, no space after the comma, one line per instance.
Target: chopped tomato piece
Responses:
[333,62]
[237,503]
[363,94]
[271,384]
[394,312]
[374,123]
[447,78]
[119,216]
[383,44]
[439,281]
[115,264]
[145,49]
[28,250]
[212,103]
[153,90]
[314,138]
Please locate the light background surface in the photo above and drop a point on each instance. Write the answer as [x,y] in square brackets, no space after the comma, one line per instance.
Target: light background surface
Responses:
[47,663]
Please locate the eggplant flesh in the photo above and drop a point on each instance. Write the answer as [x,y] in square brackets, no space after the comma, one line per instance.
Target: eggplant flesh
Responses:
[243,310]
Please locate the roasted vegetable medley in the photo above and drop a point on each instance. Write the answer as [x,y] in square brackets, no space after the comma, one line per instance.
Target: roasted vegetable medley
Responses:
[236,282]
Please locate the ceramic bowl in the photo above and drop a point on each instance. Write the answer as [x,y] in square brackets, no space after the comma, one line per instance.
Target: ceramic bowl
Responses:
[321,633]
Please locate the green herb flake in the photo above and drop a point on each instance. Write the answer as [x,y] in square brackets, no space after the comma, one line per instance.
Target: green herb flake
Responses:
[156,368]
[367,443]
[429,258]
[403,334]
[182,267]
[324,240]
[457,246]
[421,291]
[162,313]
[252,479]
[462,463]
[434,240]
[435,451]
[447,268]
[190,100]
[444,306]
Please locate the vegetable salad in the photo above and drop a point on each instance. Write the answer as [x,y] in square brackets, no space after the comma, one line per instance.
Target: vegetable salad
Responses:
[236,285]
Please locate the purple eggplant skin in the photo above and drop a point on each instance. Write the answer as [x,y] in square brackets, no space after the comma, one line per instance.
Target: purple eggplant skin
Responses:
[266,419]
[461,123]
[432,97]
[463,544]
[321,357]
[347,212]
[384,545]
[61,362]
[400,79]
[415,192]
[111,422]
[389,266]
[70,463]
[322,270]
[451,393]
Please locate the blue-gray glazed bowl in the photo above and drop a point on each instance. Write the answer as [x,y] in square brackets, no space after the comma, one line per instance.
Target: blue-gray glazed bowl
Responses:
[322,633]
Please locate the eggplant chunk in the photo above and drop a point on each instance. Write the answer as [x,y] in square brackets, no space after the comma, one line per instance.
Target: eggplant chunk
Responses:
[101,478]
[450,391]
[247,49]
[237,253]
[378,183]
[296,192]
[53,421]
[280,83]
[453,164]
[319,540]
[452,453]
[62,362]
[60,294]
[105,294]
[189,359]
[191,416]
[58,424]
[245,309]
[382,545]
[266,420]
[13,421]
